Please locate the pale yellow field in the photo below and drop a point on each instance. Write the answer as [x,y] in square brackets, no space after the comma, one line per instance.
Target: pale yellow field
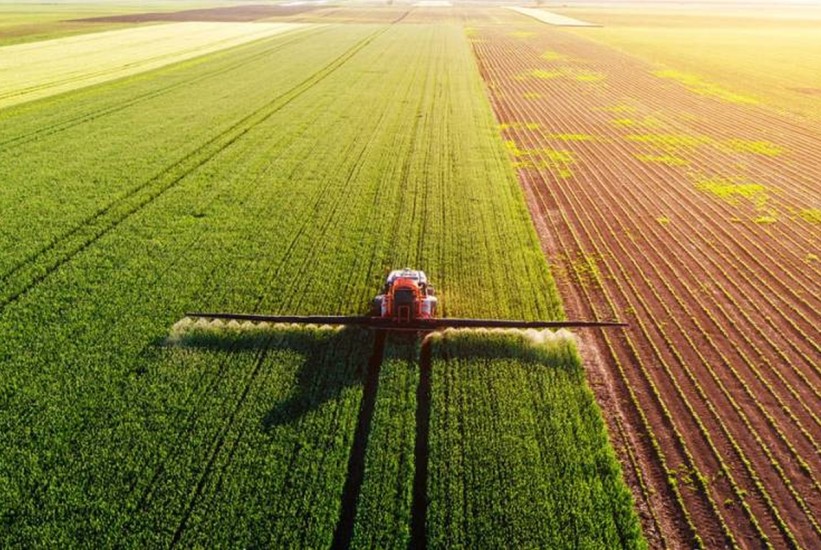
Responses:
[552,18]
[40,69]
[774,61]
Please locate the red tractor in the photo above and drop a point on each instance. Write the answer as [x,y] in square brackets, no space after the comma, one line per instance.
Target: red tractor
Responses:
[407,296]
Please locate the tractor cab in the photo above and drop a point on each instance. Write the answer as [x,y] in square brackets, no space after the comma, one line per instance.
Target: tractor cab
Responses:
[406,297]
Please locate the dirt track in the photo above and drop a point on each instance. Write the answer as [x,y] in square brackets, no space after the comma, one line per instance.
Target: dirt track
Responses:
[648,200]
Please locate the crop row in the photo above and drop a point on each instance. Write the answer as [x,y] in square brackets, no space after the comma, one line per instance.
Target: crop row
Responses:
[180,426]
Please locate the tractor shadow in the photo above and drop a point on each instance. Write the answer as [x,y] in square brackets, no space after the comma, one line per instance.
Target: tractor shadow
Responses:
[330,360]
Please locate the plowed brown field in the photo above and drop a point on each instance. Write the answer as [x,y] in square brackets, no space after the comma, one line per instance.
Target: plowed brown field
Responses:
[693,214]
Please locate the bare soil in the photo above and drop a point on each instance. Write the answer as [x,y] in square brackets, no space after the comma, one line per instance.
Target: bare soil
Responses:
[711,395]
[808,91]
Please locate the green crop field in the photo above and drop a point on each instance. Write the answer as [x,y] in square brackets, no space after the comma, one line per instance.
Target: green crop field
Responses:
[511,464]
[283,175]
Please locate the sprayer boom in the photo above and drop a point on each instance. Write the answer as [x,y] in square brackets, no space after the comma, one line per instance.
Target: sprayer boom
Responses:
[408,303]
[417,325]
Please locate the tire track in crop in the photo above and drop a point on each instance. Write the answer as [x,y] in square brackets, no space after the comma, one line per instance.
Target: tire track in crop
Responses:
[419,506]
[356,463]
[327,193]
[196,402]
[405,170]
[224,446]
[39,266]
[323,226]
[402,92]
[219,442]
[254,56]
[148,491]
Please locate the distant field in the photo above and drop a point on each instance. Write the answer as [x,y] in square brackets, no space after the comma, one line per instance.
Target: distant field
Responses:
[775,61]
[41,69]
[552,18]
[33,21]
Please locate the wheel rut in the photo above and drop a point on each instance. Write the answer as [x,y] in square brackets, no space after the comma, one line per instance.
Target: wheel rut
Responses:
[419,506]
[356,463]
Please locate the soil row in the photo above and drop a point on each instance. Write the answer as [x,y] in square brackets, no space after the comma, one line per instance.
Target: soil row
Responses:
[685,215]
